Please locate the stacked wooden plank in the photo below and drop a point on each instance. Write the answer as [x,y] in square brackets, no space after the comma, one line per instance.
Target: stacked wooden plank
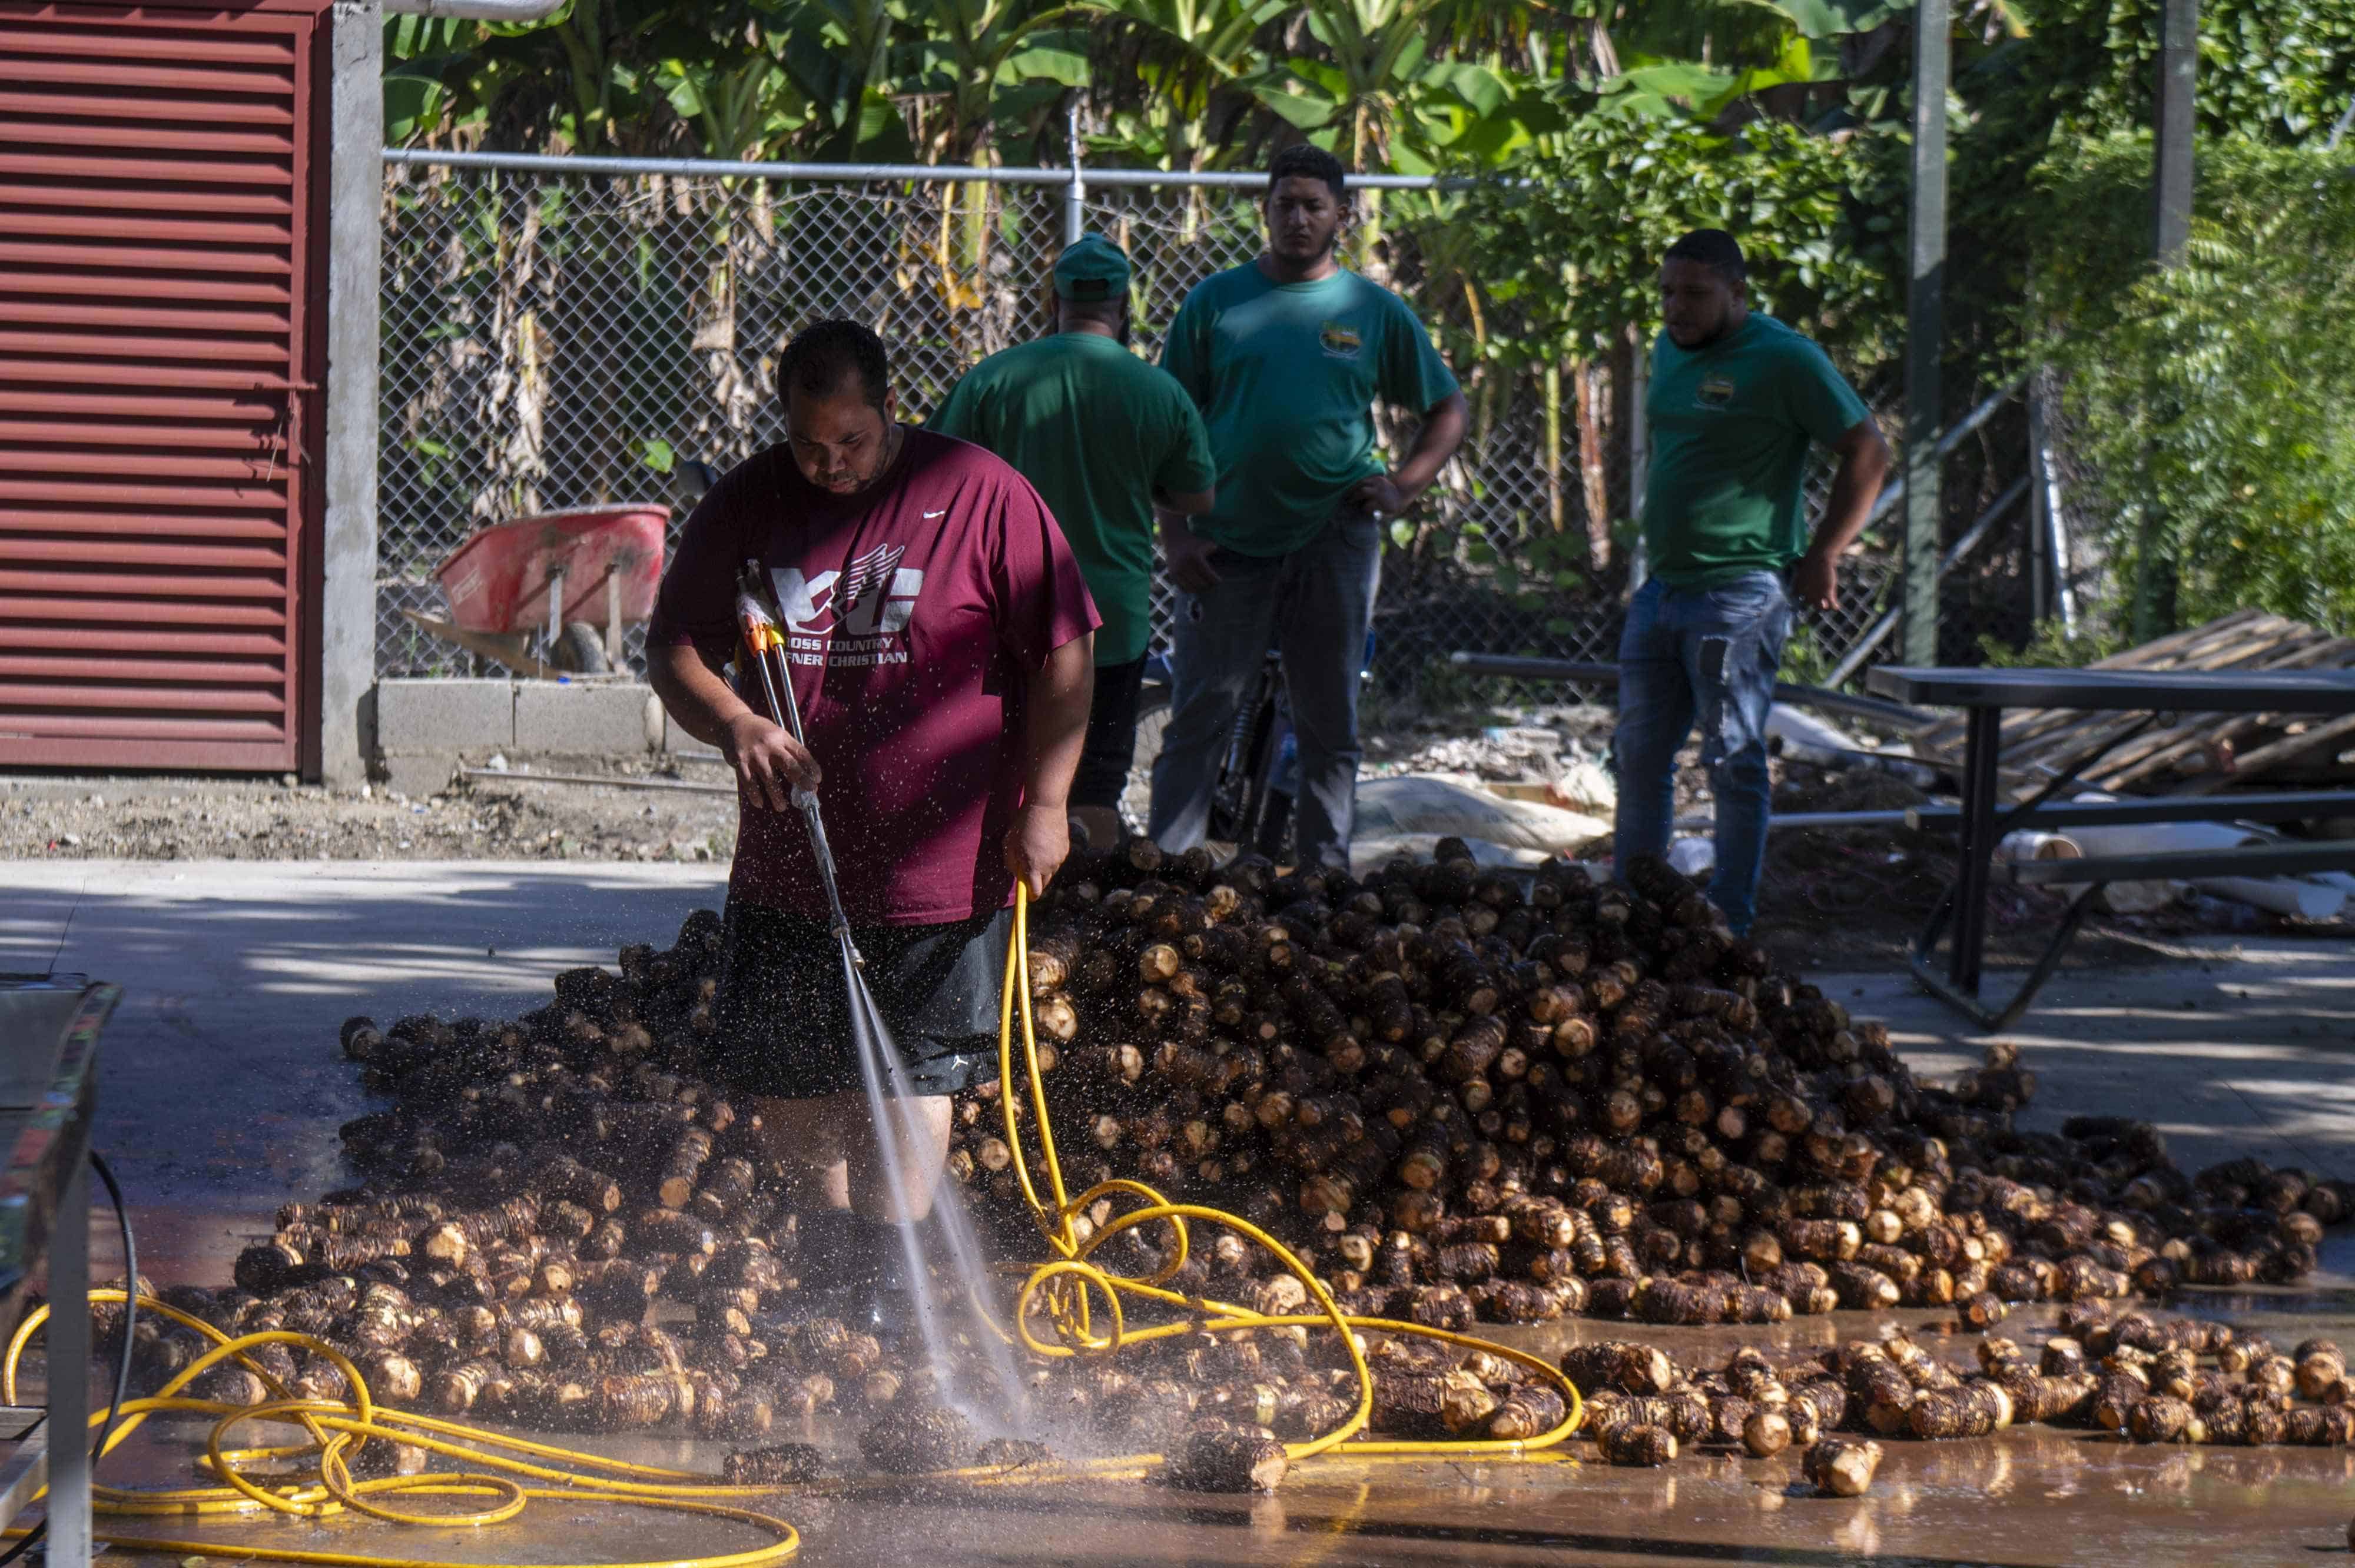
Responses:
[2187,753]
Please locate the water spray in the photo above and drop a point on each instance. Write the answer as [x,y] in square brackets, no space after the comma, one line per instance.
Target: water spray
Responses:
[886,1082]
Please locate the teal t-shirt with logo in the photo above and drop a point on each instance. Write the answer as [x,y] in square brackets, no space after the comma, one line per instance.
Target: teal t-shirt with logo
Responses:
[1286,376]
[1730,424]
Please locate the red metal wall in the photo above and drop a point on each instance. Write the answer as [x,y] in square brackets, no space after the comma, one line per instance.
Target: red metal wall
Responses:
[162,281]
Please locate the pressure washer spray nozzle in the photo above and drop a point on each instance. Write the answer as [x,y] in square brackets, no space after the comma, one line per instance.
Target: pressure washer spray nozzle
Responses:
[760,630]
[763,637]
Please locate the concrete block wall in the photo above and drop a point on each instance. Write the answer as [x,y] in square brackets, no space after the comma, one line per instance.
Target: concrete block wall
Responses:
[424,728]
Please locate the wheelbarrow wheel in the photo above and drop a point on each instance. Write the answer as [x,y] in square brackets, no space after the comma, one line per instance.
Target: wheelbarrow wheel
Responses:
[581,650]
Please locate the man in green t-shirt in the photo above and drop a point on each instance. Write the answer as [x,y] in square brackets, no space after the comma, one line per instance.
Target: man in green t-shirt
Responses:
[1285,357]
[1736,401]
[1102,437]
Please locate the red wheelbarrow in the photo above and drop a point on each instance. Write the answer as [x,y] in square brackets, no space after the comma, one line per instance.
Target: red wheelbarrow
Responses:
[552,579]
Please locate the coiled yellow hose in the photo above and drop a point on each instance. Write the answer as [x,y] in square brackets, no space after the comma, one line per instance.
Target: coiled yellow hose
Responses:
[498,1465]
[1067,1285]
[507,1473]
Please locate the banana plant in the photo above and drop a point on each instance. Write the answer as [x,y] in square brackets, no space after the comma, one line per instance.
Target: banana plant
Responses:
[1361,73]
[962,55]
[1171,60]
[741,109]
[838,54]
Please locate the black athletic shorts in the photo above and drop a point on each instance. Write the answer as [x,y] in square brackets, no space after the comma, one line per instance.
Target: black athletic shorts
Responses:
[1110,749]
[784,1013]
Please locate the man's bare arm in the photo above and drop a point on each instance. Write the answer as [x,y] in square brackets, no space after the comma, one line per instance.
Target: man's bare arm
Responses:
[768,760]
[1443,424]
[1055,725]
[1863,466]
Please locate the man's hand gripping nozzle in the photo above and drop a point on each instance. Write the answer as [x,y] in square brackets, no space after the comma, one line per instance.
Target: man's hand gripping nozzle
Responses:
[763,637]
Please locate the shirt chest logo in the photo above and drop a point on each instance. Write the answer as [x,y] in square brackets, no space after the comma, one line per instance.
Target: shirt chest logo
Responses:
[873,596]
[1715,392]
[1339,341]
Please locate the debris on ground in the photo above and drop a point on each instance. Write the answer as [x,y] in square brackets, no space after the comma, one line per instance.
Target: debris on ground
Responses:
[466,818]
[2209,750]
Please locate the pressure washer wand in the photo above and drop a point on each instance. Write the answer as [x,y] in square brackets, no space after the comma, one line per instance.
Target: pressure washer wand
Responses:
[761,635]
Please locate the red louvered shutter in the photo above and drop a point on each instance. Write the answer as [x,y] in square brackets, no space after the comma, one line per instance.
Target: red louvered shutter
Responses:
[160,346]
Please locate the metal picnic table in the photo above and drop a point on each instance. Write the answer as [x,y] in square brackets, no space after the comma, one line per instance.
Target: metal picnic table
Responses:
[1982,819]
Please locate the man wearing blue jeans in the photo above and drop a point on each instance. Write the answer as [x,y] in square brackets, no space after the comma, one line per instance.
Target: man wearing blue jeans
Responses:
[1285,357]
[1734,402]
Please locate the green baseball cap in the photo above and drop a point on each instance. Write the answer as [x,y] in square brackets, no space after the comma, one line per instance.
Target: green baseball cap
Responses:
[1093,268]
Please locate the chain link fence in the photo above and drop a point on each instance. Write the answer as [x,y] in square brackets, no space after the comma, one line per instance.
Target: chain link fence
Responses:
[561,333]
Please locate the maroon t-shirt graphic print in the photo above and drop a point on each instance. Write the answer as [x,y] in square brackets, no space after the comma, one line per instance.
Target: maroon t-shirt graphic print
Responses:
[914,613]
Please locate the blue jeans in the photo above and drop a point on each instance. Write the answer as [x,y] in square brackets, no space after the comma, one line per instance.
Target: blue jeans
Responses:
[1314,607]
[1710,654]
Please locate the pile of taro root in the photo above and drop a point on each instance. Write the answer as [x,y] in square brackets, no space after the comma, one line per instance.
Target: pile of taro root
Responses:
[1461,1095]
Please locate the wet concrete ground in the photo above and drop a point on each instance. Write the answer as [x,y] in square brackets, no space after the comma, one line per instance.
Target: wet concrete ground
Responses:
[2046,1501]
[2031,1496]
[221,1088]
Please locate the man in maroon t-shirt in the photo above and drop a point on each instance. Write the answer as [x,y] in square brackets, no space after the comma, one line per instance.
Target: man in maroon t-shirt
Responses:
[940,643]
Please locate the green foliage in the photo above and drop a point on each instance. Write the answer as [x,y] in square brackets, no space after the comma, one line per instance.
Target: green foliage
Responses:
[1406,84]
[2051,647]
[2213,402]
[1579,282]
[1805,661]
[2279,72]
[1621,124]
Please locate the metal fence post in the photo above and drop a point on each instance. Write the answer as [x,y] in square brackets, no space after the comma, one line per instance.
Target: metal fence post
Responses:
[2171,171]
[2053,544]
[1925,331]
[1640,454]
[1075,195]
[2174,116]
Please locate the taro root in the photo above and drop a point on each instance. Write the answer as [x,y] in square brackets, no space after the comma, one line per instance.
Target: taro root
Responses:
[1455,1096]
[1530,1410]
[1618,1363]
[1841,1470]
[2162,1418]
[911,1439]
[1636,1443]
[1974,1411]
[1225,1459]
[1766,1433]
[2115,1399]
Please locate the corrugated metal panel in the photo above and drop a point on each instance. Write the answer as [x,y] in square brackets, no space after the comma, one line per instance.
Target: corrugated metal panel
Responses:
[158,274]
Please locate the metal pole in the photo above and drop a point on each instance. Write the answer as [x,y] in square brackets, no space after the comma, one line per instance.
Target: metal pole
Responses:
[2171,186]
[1861,649]
[68,1506]
[1639,455]
[1925,330]
[2040,569]
[1075,195]
[568,164]
[2173,123]
[2051,515]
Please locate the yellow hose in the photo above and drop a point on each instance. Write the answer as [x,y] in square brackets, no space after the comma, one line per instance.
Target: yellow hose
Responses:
[339,1429]
[1067,1285]
[506,1474]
